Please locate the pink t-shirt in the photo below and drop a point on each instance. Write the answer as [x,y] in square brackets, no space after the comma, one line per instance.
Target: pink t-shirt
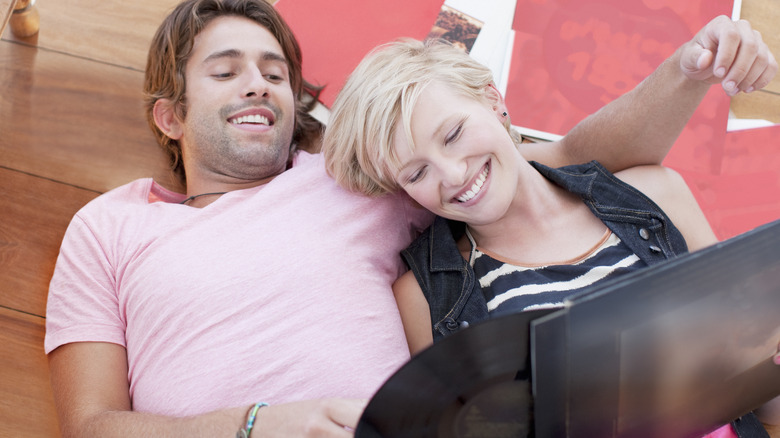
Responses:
[276,293]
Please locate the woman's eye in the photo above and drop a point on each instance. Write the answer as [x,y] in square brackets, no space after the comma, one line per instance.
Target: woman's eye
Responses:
[454,136]
[223,75]
[417,176]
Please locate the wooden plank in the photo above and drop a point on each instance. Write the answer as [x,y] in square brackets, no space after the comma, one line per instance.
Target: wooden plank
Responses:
[26,400]
[74,120]
[35,213]
[114,32]
[6,8]
[109,31]
[764,16]
[758,105]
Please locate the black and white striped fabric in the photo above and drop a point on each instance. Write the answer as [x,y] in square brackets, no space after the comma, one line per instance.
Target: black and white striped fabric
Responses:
[510,288]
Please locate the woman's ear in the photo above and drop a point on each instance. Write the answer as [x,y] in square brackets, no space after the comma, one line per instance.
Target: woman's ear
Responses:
[495,98]
[165,118]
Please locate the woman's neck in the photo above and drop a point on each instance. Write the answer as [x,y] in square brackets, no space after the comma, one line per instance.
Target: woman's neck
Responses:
[544,223]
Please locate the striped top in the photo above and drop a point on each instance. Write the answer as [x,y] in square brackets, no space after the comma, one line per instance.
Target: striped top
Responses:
[510,288]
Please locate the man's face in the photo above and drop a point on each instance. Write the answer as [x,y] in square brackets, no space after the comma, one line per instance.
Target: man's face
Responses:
[240,108]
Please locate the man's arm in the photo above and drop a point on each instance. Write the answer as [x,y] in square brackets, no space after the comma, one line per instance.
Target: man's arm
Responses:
[641,126]
[89,381]
[670,192]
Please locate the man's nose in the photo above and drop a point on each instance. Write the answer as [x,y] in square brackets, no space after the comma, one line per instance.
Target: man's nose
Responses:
[256,83]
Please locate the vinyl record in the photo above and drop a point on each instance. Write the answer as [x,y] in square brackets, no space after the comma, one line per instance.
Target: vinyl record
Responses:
[473,383]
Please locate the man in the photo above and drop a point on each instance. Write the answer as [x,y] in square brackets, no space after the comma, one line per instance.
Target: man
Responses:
[175,314]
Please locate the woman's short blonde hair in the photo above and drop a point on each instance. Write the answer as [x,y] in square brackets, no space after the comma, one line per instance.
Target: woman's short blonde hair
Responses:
[380,93]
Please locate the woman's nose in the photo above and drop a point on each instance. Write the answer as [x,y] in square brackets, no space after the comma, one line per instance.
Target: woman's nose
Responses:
[454,172]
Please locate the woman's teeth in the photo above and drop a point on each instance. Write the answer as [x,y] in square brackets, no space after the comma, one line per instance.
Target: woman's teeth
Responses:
[471,193]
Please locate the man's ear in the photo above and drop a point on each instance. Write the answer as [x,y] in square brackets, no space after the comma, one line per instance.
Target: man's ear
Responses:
[495,98]
[165,118]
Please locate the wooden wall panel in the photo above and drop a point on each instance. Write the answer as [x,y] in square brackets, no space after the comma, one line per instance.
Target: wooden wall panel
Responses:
[764,104]
[74,120]
[26,401]
[34,213]
[6,7]
[757,105]
[764,16]
[108,31]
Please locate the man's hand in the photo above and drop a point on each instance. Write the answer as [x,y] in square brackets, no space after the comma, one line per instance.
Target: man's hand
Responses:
[731,53]
[313,418]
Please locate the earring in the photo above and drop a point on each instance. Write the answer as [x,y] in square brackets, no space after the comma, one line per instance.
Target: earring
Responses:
[504,114]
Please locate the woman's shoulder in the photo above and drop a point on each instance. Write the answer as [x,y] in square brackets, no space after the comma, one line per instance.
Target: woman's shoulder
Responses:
[441,236]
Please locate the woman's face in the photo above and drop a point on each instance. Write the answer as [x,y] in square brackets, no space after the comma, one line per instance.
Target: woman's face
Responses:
[464,164]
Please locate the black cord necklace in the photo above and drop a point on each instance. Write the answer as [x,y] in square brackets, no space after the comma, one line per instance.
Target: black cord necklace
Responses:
[198,196]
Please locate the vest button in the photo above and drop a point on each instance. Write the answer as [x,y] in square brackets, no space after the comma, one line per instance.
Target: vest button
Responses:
[644,234]
[655,249]
[464,324]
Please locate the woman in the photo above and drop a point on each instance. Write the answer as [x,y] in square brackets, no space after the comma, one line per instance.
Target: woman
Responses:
[435,126]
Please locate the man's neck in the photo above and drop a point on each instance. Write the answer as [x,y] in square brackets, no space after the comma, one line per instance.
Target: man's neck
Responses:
[201,194]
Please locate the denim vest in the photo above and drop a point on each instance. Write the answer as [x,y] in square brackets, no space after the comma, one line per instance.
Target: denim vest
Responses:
[448,282]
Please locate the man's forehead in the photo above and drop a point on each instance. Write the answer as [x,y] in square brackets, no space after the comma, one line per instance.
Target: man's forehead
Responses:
[236,35]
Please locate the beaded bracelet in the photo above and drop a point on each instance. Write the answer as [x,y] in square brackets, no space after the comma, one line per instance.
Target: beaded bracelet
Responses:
[250,421]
